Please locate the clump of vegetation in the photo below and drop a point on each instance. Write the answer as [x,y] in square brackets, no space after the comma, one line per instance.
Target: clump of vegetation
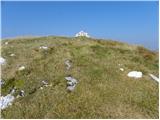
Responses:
[148,55]
[10,84]
[103,91]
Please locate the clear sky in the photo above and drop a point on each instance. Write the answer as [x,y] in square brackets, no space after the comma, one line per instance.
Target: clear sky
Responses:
[132,22]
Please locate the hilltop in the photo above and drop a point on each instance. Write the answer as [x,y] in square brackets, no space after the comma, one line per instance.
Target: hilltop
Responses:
[38,67]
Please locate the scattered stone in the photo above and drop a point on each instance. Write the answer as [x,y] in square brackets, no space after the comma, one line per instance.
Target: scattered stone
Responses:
[71,84]
[68,64]
[154,77]
[71,88]
[135,74]
[121,69]
[12,91]
[2,61]
[12,55]
[6,43]
[1,82]
[43,47]
[21,93]
[71,79]
[119,64]
[82,33]
[6,101]
[41,88]
[21,68]
[44,82]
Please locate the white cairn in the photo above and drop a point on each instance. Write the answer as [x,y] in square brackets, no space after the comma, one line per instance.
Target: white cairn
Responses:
[82,33]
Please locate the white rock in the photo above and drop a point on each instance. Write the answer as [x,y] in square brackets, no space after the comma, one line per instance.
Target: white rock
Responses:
[21,68]
[67,62]
[12,91]
[135,74]
[2,61]
[71,84]
[71,79]
[71,88]
[6,101]
[43,47]
[6,43]
[41,88]
[1,82]
[12,55]
[121,69]
[154,77]
[21,93]
[44,82]
[82,33]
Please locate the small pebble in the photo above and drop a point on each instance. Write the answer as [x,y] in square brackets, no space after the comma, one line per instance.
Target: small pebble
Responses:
[41,88]
[44,82]
[21,93]
[121,69]
[6,43]
[2,82]
[21,68]
[68,64]
[2,61]
[71,88]
[12,55]
[43,47]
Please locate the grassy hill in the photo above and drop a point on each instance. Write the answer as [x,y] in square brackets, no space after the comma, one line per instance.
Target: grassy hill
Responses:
[103,91]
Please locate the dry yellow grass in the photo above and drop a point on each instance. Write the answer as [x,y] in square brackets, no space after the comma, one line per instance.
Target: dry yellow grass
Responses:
[103,91]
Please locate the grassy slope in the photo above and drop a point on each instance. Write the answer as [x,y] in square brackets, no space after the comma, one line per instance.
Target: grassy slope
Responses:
[103,90]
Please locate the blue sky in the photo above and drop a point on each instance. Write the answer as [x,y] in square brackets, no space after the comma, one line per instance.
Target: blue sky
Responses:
[132,22]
